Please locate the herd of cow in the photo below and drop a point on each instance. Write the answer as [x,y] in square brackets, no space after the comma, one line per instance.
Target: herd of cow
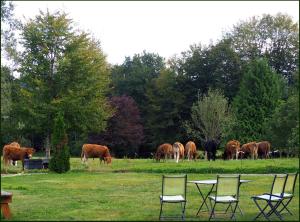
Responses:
[13,152]
[232,149]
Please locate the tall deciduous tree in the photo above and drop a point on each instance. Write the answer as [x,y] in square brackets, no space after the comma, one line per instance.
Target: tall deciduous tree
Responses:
[133,76]
[6,87]
[163,122]
[124,132]
[226,69]
[62,71]
[44,39]
[283,129]
[9,24]
[200,68]
[208,116]
[256,101]
[284,120]
[274,37]
[6,102]
[81,86]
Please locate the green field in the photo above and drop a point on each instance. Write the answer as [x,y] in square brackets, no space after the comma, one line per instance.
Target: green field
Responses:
[129,189]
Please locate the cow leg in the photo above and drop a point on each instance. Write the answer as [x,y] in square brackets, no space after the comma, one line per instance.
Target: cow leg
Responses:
[14,162]
[6,162]
[84,158]
[22,164]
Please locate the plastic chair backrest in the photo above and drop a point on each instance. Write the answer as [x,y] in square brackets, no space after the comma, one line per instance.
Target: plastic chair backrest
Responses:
[174,185]
[228,185]
[290,183]
[278,184]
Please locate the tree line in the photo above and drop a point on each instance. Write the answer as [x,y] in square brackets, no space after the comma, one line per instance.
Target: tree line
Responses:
[245,87]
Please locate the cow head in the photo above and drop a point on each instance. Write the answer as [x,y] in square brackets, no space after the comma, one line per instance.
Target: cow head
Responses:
[107,156]
[29,152]
[157,156]
[107,159]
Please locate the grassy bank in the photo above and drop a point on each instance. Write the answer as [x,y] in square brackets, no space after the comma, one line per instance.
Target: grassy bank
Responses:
[283,165]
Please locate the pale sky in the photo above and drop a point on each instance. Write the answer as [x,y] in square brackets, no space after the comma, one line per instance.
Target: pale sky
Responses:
[163,27]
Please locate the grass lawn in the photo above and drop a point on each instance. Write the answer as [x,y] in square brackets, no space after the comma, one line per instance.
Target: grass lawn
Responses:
[129,189]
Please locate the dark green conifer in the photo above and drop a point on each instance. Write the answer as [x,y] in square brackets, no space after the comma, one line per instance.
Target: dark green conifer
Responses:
[60,161]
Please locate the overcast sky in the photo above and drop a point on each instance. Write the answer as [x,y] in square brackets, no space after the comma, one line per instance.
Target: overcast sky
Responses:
[166,28]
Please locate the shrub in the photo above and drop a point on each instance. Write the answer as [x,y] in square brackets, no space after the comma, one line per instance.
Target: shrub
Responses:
[60,161]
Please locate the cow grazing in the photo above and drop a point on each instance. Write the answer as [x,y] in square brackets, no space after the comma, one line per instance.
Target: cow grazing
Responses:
[249,149]
[12,153]
[210,147]
[232,149]
[164,151]
[178,150]
[190,150]
[95,151]
[263,149]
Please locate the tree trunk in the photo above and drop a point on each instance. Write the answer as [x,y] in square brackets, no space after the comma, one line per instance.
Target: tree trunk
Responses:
[47,146]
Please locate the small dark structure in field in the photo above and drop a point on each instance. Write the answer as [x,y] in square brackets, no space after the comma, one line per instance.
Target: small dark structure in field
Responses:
[36,163]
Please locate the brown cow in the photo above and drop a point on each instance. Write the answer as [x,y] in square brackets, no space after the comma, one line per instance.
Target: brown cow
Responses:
[14,153]
[164,150]
[17,145]
[190,150]
[263,149]
[249,149]
[232,149]
[178,150]
[95,150]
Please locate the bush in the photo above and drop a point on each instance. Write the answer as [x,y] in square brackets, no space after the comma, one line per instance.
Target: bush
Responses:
[60,161]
